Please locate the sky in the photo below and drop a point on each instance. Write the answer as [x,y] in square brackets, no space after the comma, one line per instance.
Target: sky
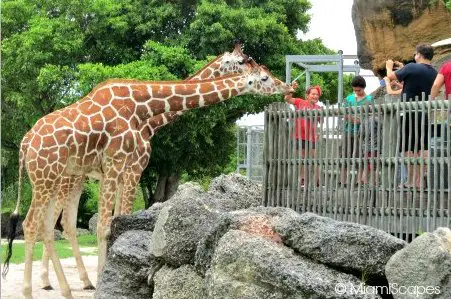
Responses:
[331,20]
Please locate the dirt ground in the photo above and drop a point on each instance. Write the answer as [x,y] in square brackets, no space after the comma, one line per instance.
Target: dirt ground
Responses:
[12,286]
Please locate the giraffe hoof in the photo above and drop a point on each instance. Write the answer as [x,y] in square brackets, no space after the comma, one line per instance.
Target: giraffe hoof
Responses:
[47,288]
[89,287]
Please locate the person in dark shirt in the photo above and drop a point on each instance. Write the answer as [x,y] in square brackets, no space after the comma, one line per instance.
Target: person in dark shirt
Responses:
[418,78]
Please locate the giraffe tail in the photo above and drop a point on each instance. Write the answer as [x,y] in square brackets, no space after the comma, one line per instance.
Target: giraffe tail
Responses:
[14,219]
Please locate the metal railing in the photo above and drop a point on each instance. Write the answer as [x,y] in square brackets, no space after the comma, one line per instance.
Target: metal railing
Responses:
[250,152]
[369,185]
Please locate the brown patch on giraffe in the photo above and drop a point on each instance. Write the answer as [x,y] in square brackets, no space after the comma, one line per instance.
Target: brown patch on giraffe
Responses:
[185,89]
[89,159]
[125,107]
[45,130]
[225,93]
[207,88]
[176,103]
[103,97]
[88,107]
[97,123]
[129,142]
[157,106]
[121,91]
[234,92]
[260,226]
[206,74]
[41,162]
[48,141]
[114,146]
[161,91]
[92,141]
[142,112]
[116,126]
[140,93]
[108,113]
[229,83]
[102,141]
[192,101]
[70,114]
[211,98]
[82,124]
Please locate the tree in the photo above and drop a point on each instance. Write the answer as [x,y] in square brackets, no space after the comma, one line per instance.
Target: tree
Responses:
[54,52]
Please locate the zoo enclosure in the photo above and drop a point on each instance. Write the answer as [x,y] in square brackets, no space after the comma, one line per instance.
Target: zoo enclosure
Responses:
[404,212]
[250,152]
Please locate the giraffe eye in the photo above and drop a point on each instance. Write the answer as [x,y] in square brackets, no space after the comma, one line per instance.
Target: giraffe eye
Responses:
[265,78]
[250,82]
[241,61]
[227,62]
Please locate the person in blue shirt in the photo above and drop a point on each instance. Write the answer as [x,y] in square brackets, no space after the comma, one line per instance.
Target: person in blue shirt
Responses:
[350,139]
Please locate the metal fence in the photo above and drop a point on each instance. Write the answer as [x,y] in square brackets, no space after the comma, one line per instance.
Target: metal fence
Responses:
[250,152]
[369,183]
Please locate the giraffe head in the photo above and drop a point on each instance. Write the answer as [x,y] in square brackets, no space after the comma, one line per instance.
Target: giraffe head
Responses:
[259,80]
[235,62]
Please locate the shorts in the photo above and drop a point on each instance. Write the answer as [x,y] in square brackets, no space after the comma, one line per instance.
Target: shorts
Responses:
[304,144]
[414,132]
[349,145]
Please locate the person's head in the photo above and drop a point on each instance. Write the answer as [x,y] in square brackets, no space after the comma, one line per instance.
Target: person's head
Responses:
[358,84]
[313,93]
[424,51]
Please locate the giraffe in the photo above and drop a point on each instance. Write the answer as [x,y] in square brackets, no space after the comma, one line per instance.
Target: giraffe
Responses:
[71,186]
[99,134]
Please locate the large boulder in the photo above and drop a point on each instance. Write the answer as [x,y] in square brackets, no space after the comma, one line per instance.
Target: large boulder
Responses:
[127,268]
[424,263]
[180,283]
[392,28]
[350,247]
[92,224]
[253,267]
[184,219]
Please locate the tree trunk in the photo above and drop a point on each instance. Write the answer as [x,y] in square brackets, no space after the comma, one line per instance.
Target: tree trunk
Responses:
[166,187]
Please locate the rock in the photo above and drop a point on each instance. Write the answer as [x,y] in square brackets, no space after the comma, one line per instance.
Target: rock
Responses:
[92,224]
[127,268]
[180,283]
[256,221]
[350,247]
[179,228]
[253,267]
[83,232]
[188,215]
[426,262]
[58,235]
[392,28]
[241,192]
[143,220]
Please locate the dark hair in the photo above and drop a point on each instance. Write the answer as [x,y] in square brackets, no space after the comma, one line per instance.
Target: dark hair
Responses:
[425,50]
[358,81]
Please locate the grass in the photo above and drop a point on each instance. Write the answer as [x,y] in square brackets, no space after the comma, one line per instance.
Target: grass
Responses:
[63,249]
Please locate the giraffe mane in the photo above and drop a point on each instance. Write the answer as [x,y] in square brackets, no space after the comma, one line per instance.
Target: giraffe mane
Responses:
[205,66]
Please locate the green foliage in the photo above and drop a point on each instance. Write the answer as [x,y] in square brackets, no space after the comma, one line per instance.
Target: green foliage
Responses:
[87,206]
[55,52]
[62,247]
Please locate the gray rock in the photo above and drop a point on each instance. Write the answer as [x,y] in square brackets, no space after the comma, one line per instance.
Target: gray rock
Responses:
[241,192]
[257,220]
[58,235]
[143,220]
[127,268]
[179,228]
[352,247]
[426,262]
[247,266]
[180,283]
[83,232]
[92,224]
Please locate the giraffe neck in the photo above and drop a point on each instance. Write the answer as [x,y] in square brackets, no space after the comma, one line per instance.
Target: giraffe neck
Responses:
[153,124]
[210,70]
